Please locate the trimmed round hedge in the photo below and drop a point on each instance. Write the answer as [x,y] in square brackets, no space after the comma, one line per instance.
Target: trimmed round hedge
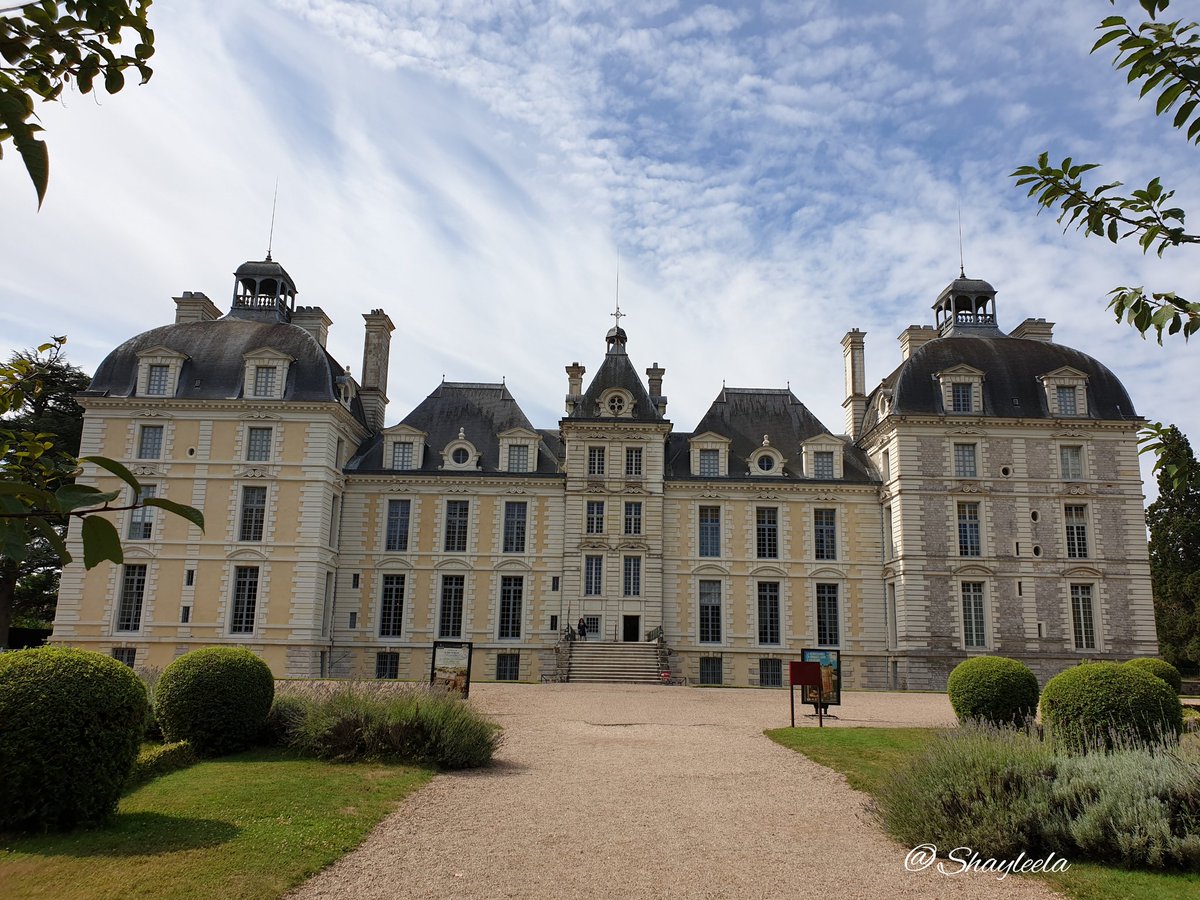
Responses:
[1159,668]
[70,726]
[994,689]
[1104,704]
[216,699]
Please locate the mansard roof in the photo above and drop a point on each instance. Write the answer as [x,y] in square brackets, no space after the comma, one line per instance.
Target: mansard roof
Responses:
[482,412]
[745,415]
[1011,389]
[214,365]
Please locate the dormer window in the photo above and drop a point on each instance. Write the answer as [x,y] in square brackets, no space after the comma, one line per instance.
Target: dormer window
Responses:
[822,464]
[265,379]
[616,402]
[766,460]
[156,381]
[1066,392]
[962,390]
[265,374]
[518,458]
[518,450]
[1067,403]
[961,398]
[460,454]
[158,371]
[822,456]
[403,447]
[710,463]
[709,455]
[402,455]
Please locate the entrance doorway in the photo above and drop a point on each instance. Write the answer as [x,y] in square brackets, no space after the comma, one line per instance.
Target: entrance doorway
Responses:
[631,628]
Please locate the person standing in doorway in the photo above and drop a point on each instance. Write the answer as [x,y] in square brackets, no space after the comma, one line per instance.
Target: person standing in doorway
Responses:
[582,629]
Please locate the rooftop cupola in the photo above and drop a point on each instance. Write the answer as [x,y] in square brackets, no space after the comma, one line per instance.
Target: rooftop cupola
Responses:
[263,290]
[966,307]
[616,337]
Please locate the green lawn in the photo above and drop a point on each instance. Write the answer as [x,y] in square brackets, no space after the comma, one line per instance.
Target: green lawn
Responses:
[252,825]
[867,755]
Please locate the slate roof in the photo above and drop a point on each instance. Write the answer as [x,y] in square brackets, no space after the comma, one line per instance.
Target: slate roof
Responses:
[744,415]
[482,411]
[215,367]
[1010,386]
[617,371]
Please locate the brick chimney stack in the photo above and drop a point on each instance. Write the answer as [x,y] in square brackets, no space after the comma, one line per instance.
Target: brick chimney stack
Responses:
[376,347]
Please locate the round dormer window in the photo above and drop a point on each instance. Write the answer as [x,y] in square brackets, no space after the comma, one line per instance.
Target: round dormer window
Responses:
[460,456]
[616,404]
[766,463]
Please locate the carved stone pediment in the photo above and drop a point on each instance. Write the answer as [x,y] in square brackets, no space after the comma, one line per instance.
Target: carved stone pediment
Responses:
[1078,489]
[147,469]
[973,487]
[251,471]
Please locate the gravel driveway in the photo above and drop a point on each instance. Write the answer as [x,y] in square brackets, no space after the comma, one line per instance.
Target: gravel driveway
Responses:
[645,791]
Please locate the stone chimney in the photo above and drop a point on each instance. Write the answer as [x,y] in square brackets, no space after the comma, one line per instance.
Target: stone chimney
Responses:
[854,366]
[1035,330]
[313,320]
[914,337]
[574,385]
[655,376]
[376,347]
[195,306]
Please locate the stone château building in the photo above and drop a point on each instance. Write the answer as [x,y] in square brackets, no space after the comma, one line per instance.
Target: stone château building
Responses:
[985,498]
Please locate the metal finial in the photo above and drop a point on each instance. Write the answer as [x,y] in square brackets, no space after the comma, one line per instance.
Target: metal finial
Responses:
[962,272]
[271,235]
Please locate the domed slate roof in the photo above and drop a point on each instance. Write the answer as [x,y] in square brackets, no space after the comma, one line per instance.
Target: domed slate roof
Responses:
[1011,389]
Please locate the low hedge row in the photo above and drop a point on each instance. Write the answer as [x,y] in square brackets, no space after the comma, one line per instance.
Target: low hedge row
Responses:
[157,760]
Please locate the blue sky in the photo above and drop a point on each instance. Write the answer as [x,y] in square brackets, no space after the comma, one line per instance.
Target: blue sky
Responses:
[771,175]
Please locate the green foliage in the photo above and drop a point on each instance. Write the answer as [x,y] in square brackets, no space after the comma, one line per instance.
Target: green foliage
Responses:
[216,699]
[286,713]
[993,689]
[1174,522]
[46,45]
[70,725]
[1159,669]
[413,725]
[156,760]
[1104,705]
[1163,57]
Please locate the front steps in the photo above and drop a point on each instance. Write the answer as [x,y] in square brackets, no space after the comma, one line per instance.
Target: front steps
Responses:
[610,662]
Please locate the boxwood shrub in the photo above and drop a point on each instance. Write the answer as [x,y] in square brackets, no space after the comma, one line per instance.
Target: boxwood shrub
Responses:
[1106,705]
[993,689]
[70,725]
[157,760]
[1159,668]
[216,699]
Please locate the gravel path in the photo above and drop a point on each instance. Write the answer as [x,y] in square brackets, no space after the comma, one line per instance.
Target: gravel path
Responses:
[622,791]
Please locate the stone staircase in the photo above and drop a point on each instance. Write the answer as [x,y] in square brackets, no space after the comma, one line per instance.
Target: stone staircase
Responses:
[614,662]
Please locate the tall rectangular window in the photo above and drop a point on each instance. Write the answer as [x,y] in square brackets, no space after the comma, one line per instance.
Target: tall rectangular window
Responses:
[150,442]
[633,462]
[245,600]
[156,381]
[258,444]
[1077,538]
[964,461]
[710,464]
[595,461]
[518,458]
[767,532]
[508,666]
[1070,461]
[515,515]
[711,670]
[962,400]
[633,517]
[391,606]
[133,592]
[969,543]
[1067,402]
[125,655]
[823,464]
[825,533]
[595,517]
[974,631]
[264,381]
[254,513]
[141,520]
[770,673]
[828,623]
[889,543]
[885,464]
[768,612]
[396,537]
[1082,617]
[633,576]
[450,618]
[402,455]
[512,592]
[710,612]
[457,512]
[593,578]
[387,664]
[710,531]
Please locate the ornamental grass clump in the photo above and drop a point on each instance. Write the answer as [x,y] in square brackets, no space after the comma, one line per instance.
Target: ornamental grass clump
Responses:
[993,689]
[216,699]
[1098,706]
[70,725]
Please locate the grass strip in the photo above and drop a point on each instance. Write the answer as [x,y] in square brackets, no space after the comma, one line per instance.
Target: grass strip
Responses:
[246,826]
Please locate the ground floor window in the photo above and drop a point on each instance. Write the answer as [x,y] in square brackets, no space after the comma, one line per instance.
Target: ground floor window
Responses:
[1082,617]
[592,623]
[711,670]
[125,655]
[827,615]
[770,673]
[387,665]
[974,631]
[451,617]
[710,613]
[508,666]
